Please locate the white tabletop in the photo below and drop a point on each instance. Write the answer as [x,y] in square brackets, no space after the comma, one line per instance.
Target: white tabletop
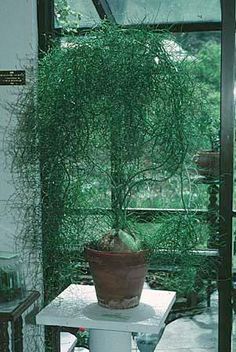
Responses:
[77,307]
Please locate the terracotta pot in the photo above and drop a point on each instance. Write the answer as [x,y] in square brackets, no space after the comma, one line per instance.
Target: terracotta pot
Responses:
[118,277]
[208,163]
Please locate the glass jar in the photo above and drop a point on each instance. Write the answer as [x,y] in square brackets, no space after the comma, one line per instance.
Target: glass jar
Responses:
[12,285]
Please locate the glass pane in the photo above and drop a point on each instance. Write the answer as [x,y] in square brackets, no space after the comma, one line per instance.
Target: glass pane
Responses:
[234,286]
[165,11]
[190,189]
[75,13]
[186,189]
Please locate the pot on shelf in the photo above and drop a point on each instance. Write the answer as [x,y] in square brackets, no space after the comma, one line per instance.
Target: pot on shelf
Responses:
[208,164]
[118,277]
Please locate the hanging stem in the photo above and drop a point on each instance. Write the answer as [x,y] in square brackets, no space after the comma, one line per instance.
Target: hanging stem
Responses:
[117,174]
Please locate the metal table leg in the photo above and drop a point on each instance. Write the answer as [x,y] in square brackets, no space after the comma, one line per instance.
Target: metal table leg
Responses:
[4,337]
[17,335]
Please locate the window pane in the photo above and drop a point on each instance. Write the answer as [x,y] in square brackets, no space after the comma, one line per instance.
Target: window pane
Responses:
[165,11]
[75,13]
[234,286]
[189,189]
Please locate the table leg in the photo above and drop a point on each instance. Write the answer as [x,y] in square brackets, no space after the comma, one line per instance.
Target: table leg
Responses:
[107,341]
[56,339]
[52,338]
[17,335]
[4,337]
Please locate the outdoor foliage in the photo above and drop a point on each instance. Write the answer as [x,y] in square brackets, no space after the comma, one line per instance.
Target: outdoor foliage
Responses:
[65,17]
[207,73]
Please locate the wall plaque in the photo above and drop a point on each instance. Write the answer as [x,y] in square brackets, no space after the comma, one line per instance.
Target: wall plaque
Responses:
[12,78]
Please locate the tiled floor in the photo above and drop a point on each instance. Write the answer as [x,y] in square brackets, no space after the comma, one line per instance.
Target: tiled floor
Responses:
[193,334]
[197,333]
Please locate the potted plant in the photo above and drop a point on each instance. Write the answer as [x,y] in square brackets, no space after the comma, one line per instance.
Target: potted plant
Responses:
[208,164]
[206,70]
[207,159]
[110,113]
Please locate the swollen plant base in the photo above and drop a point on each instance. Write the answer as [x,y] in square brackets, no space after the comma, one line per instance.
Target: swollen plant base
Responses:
[120,304]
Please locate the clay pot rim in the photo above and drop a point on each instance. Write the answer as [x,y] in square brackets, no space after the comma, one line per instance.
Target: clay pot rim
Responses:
[109,253]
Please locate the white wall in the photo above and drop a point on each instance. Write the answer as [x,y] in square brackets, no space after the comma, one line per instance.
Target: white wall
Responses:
[18,49]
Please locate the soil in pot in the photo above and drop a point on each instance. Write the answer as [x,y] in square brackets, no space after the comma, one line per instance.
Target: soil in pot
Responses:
[118,277]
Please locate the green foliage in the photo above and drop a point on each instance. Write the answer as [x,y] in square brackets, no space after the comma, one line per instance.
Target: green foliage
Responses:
[65,17]
[183,282]
[82,339]
[208,65]
[179,234]
[114,109]
[175,239]
[194,41]
[206,69]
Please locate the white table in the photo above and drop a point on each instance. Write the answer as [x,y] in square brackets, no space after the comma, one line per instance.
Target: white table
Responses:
[109,329]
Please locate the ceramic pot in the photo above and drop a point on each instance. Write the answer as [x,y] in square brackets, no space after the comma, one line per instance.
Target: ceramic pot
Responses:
[118,277]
